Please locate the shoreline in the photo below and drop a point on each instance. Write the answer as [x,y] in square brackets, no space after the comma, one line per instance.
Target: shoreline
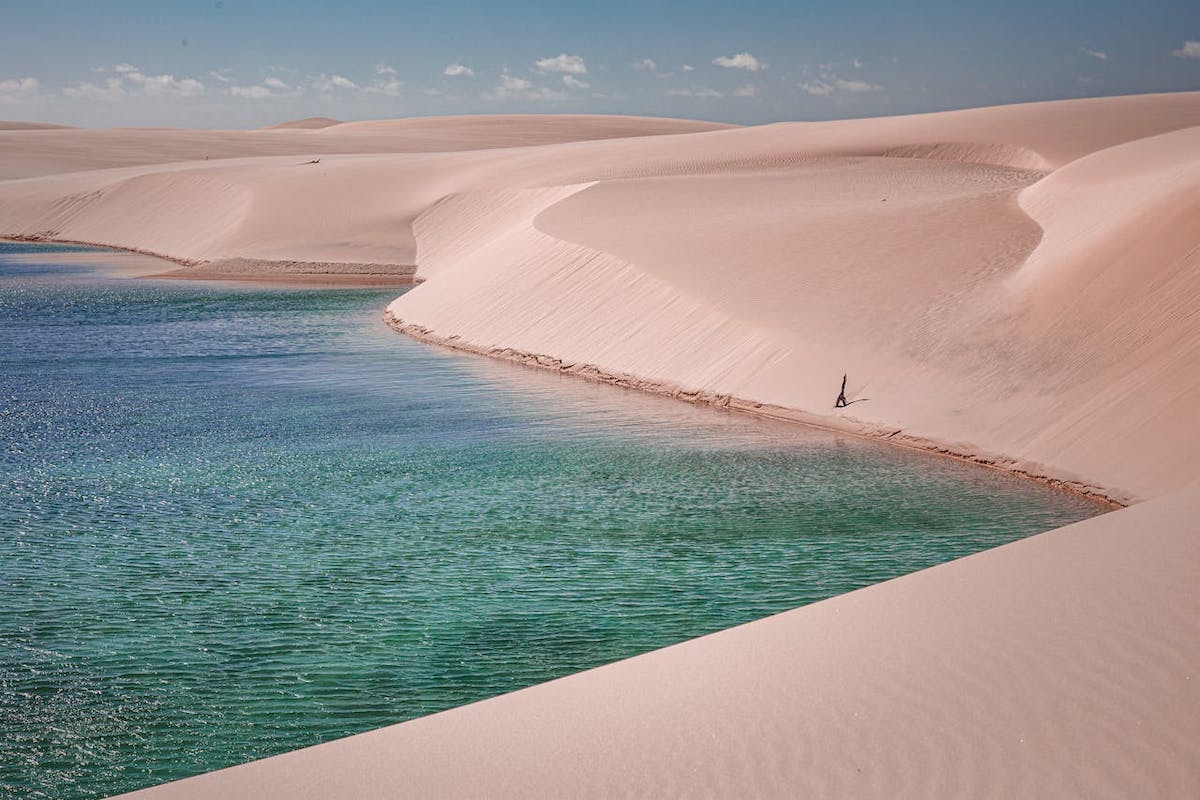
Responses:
[897,438]
[872,432]
[329,274]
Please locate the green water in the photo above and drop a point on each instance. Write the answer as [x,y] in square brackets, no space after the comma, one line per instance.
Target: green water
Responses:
[236,521]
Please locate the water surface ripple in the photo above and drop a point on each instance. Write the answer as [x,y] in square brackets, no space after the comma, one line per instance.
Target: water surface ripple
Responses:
[236,521]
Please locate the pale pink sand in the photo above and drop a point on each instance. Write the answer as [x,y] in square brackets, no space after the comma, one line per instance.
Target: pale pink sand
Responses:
[1019,285]
[25,153]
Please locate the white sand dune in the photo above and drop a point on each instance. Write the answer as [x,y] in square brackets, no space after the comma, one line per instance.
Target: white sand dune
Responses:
[26,153]
[1016,285]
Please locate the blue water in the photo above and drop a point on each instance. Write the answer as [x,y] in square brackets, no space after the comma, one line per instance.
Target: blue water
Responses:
[238,520]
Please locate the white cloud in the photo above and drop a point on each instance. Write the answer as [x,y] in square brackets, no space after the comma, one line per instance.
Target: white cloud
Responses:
[271,86]
[856,63]
[386,83]
[701,91]
[645,65]
[112,89]
[15,89]
[856,86]
[515,84]
[829,83]
[257,92]
[740,61]
[512,87]
[1190,49]
[688,68]
[457,70]
[1100,54]
[746,91]
[816,88]
[572,65]
[328,83]
[166,85]
[128,79]
[387,88]
[222,75]
[575,83]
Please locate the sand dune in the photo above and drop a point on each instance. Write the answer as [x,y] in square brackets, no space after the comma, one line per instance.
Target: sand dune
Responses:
[9,125]
[308,123]
[26,154]
[1016,285]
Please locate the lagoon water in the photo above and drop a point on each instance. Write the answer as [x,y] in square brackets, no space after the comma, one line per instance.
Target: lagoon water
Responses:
[238,520]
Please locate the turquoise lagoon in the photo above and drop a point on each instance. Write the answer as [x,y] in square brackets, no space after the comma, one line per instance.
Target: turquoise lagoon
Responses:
[238,520]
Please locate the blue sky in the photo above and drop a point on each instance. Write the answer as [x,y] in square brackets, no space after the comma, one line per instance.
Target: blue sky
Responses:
[241,63]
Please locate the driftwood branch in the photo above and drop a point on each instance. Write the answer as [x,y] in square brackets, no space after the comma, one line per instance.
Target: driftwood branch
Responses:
[841,398]
[842,402]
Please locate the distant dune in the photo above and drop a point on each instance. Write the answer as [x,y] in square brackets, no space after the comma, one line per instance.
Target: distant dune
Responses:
[26,153]
[308,123]
[1018,286]
[30,126]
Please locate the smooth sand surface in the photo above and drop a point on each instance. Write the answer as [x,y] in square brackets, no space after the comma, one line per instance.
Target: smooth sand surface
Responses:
[1016,285]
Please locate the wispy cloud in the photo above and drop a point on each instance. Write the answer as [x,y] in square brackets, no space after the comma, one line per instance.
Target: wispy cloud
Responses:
[14,89]
[740,61]
[126,79]
[696,91]
[1190,49]
[255,92]
[746,91]
[330,83]
[457,70]
[856,86]
[386,82]
[817,88]
[688,68]
[270,87]
[650,66]
[1098,54]
[830,83]
[573,65]
[512,87]
[575,83]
